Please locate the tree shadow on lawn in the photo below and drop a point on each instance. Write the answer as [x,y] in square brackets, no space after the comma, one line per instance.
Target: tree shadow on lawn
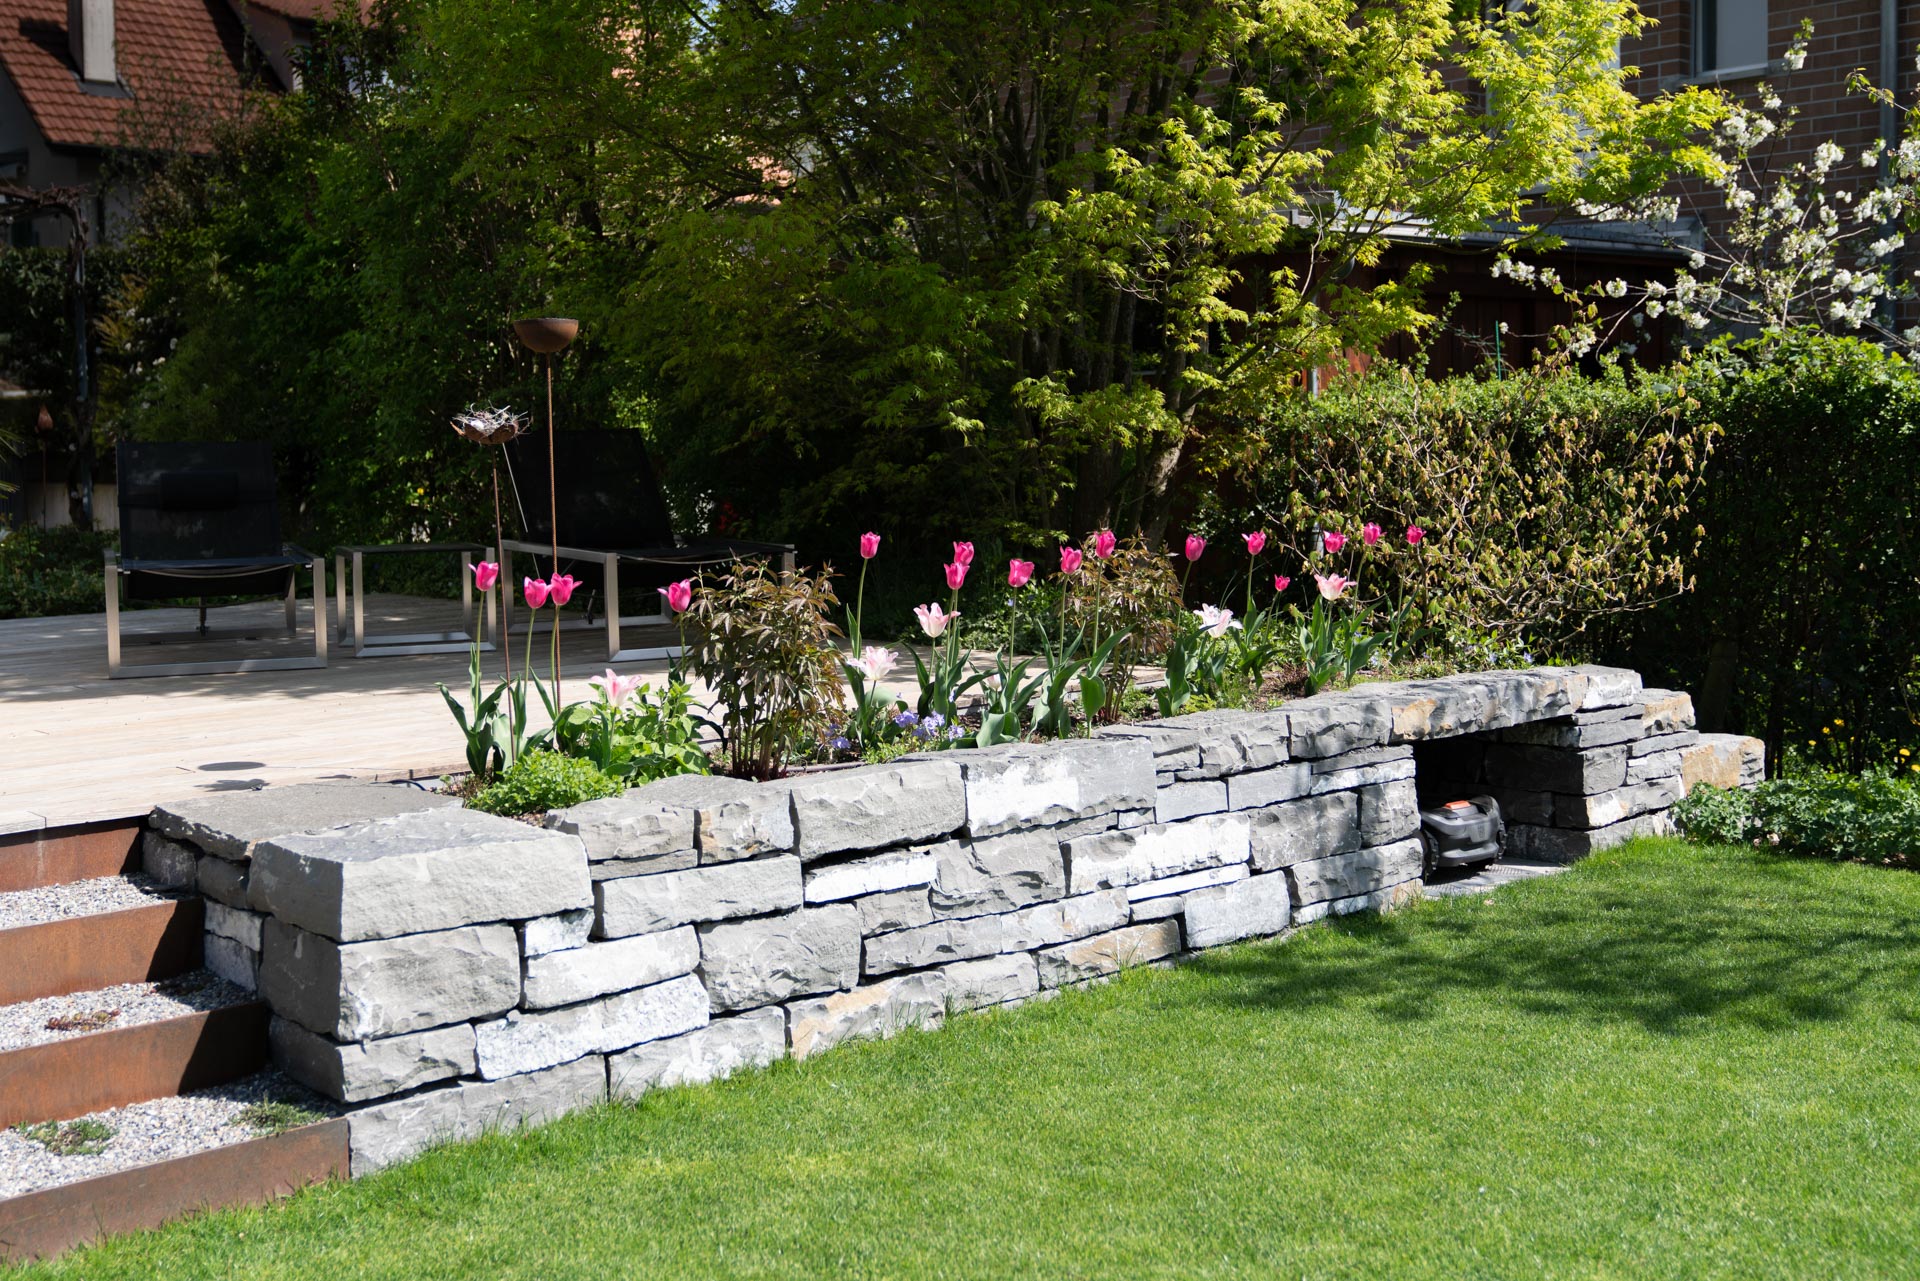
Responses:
[1682,942]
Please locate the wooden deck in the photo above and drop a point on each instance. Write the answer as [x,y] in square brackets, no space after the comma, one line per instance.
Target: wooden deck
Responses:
[76,747]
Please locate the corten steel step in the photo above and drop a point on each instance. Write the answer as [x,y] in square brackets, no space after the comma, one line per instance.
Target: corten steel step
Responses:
[62,855]
[42,1224]
[133,945]
[60,1080]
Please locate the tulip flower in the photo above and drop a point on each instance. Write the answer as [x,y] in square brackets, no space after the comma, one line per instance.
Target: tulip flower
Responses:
[1104,543]
[560,587]
[875,662]
[679,595]
[535,592]
[1216,622]
[963,554]
[933,620]
[1256,542]
[957,572]
[1370,533]
[1071,560]
[1333,543]
[869,546]
[1414,535]
[1332,586]
[1019,573]
[1281,582]
[1195,545]
[485,575]
[615,688]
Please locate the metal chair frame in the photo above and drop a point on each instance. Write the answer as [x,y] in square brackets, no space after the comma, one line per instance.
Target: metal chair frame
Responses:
[393,644]
[293,558]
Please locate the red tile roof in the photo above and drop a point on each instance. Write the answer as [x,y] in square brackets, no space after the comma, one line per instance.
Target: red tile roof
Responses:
[191,52]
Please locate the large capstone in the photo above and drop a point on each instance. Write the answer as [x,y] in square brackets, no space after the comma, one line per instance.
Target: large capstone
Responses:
[1026,786]
[230,824]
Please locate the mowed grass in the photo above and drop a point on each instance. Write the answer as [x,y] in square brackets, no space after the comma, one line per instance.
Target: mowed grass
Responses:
[1669,1062]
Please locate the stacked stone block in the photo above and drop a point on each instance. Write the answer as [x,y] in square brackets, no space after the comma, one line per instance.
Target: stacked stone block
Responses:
[443,972]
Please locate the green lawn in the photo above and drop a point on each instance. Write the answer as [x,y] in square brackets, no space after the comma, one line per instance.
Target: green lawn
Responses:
[1670,1062]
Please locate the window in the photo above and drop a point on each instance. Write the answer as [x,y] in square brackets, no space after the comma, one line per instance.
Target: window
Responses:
[1729,35]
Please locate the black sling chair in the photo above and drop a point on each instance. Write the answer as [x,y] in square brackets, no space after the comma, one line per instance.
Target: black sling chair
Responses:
[611,514]
[199,520]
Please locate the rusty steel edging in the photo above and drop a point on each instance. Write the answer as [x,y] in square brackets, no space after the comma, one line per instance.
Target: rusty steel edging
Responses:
[84,952]
[45,1223]
[61,855]
[59,1080]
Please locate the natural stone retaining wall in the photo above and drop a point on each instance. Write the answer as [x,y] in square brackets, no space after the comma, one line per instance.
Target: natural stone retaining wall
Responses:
[448,971]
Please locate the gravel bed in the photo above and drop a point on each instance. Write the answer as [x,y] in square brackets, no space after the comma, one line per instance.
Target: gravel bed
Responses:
[102,1009]
[80,898]
[158,1130]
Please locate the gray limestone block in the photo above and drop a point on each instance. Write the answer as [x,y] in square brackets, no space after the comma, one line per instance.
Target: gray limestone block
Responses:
[1608,687]
[1655,767]
[1679,741]
[1568,844]
[223,880]
[1556,769]
[993,980]
[1253,908]
[998,873]
[377,1069]
[1723,760]
[1109,953]
[230,824]
[1669,711]
[874,874]
[1362,768]
[1361,872]
[527,1041]
[382,987]
[613,869]
[1047,784]
[1518,806]
[1389,812]
[617,965]
[712,1053]
[877,1010]
[428,870]
[1156,909]
[1609,808]
[386,1133]
[1233,742]
[647,904]
[1185,883]
[776,958]
[1377,901]
[933,944]
[1440,708]
[1173,749]
[733,818]
[1269,786]
[235,923]
[1175,801]
[876,806]
[1071,918]
[1602,729]
[556,933]
[235,962]
[637,834]
[1121,858]
[1317,827]
[896,910]
[174,864]
[1330,724]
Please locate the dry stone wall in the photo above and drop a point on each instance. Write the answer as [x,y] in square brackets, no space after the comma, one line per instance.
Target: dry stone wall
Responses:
[443,971]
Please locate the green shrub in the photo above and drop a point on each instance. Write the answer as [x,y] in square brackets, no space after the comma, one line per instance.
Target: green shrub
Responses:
[52,571]
[1870,818]
[1715,815]
[542,781]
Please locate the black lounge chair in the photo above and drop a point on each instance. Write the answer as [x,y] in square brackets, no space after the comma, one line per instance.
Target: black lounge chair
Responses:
[199,520]
[611,513]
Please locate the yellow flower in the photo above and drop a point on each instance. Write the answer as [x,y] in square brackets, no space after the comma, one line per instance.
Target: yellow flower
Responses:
[1826,729]
[1906,751]
[1837,721]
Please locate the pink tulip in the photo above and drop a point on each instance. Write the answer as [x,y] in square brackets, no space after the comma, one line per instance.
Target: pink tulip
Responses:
[561,586]
[679,595]
[1281,582]
[1332,586]
[933,620]
[1334,542]
[617,689]
[956,574]
[869,546]
[1019,572]
[485,575]
[535,591]
[963,554]
[1195,545]
[1256,543]
[1414,535]
[875,662]
[1370,533]
[1071,560]
[1104,543]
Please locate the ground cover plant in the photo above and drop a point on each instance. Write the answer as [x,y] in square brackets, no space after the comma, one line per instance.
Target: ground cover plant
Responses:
[1672,1061]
